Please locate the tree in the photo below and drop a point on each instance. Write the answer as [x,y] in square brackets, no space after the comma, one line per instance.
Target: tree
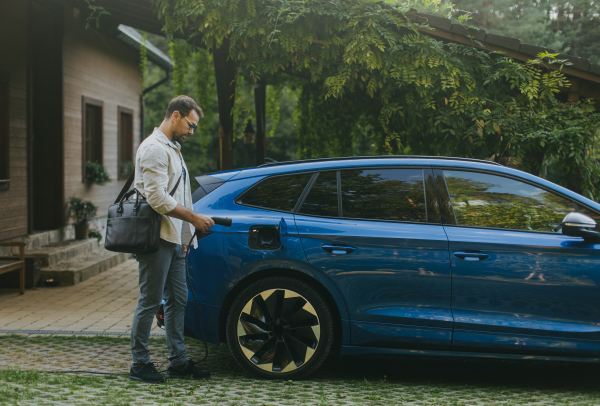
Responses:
[430,97]
[194,76]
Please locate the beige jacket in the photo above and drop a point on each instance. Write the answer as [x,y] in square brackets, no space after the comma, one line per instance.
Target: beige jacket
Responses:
[158,164]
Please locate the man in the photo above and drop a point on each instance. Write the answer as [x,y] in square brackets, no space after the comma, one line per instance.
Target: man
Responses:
[158,167]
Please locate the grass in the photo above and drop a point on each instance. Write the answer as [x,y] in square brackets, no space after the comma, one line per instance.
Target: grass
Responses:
[342,381]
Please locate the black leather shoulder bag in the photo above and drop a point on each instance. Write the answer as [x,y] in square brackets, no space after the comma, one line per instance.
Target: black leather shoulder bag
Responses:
[133,226]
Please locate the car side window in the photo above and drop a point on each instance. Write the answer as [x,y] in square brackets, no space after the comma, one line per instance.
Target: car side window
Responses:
[277,193]
[384,194]
[322,200]
[484,200]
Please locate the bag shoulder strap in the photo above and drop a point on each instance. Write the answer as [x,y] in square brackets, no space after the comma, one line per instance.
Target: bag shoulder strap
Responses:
[178,180]
[127,185]
[176,185]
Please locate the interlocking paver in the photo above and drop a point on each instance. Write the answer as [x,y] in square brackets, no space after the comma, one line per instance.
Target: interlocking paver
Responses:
[348,381]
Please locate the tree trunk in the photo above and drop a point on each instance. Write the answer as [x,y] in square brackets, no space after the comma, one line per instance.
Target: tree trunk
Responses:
[260,105]
[226,76]
[532,161]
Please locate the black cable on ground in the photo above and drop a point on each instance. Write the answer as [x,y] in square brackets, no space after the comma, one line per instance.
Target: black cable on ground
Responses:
[85,372]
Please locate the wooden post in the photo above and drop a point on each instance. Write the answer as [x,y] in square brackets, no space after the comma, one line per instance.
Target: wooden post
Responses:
[226,76]
[22,274]
[574,90]
[260,105]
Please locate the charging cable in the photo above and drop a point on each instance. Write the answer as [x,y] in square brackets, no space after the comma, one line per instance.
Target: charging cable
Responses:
[222,221]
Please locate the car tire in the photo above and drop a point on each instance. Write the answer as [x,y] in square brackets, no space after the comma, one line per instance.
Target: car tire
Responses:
[280,328]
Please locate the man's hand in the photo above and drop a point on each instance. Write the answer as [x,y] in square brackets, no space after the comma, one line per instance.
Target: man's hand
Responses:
[201,222]
[186,249]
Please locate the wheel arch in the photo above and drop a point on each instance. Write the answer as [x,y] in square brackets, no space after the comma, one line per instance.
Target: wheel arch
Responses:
[341,326]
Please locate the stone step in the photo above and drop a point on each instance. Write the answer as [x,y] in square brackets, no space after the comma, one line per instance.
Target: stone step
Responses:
[55,252]
[38,239]
[82,267]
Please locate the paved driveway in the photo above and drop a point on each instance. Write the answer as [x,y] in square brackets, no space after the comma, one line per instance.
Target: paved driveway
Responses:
[104,303]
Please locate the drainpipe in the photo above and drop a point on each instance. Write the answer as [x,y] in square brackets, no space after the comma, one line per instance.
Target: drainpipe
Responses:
[143,94]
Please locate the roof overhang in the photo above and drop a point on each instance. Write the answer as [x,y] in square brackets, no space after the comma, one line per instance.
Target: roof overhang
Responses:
[133,38]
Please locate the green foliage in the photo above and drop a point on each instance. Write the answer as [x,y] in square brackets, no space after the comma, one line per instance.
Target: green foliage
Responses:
[82,211]
[96,173]
[180,56]
[96,13]
[95,232]
[274,94]
[372,75]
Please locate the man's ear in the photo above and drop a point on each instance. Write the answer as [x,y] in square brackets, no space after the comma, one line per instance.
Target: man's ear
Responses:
[175,115]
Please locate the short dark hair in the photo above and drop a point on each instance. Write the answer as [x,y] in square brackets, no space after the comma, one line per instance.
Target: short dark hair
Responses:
[183,104]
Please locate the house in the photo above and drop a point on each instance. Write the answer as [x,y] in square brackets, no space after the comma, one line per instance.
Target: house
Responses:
[68,95]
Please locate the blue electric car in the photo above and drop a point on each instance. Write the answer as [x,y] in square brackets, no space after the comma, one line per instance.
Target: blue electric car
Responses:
[394,255]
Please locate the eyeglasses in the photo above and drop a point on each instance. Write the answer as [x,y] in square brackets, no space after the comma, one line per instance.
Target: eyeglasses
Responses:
[191,125]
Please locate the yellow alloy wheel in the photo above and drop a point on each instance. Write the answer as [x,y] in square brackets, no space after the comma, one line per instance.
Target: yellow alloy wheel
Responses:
[278,330]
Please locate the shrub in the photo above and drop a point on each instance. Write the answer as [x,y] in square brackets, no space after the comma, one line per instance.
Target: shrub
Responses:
[96,173]
[82,211]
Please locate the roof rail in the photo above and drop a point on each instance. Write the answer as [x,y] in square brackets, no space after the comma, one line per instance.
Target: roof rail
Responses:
[345,158]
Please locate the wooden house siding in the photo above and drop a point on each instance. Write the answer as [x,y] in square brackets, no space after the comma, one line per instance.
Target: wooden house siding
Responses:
[97,67]
[13,45]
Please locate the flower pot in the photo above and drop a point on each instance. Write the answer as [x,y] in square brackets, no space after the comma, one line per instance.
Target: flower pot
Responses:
[81,231]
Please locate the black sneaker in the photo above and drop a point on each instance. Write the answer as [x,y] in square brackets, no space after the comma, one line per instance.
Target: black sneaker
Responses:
[146,373]
[187,369]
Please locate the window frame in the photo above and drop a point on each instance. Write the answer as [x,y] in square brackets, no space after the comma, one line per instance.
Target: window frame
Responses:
[509,176]
[97,103]
[312,180]
[5,138]
[120,111]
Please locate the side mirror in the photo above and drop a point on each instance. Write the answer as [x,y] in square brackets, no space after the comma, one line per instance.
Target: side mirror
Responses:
[579,225]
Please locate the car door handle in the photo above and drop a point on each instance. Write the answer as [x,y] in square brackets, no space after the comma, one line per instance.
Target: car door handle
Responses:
[471,256]
[338,249]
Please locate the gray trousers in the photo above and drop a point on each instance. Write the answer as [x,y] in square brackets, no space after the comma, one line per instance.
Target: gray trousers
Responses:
[162,275]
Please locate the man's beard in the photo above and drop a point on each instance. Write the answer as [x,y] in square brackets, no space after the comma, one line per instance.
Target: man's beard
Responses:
[179,137]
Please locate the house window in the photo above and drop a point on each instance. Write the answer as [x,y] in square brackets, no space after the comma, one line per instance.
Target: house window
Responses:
[4,165]
[92,132]
[125,142]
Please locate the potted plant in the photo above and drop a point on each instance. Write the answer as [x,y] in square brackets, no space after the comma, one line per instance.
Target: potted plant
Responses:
[82,211]
[96,173]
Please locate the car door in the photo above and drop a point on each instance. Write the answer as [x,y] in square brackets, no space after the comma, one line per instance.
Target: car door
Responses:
[376,233]
[518,283]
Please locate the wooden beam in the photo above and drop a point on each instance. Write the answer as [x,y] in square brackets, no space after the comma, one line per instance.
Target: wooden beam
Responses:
[449,36]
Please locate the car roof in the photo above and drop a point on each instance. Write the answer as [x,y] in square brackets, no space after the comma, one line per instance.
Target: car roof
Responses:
[280,168]
[370,161]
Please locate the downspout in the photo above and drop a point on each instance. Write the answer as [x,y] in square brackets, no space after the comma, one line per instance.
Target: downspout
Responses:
[143,94]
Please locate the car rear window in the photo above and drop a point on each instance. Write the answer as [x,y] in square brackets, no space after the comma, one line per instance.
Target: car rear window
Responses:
[322,200]
[384,194]
[277,193]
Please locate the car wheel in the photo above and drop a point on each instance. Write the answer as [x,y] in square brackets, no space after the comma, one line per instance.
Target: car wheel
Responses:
[279,328]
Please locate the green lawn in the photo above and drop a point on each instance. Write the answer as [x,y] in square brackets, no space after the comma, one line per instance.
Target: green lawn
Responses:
[347,380]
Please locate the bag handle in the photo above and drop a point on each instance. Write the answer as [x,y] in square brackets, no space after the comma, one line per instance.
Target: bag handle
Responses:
[127,185]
